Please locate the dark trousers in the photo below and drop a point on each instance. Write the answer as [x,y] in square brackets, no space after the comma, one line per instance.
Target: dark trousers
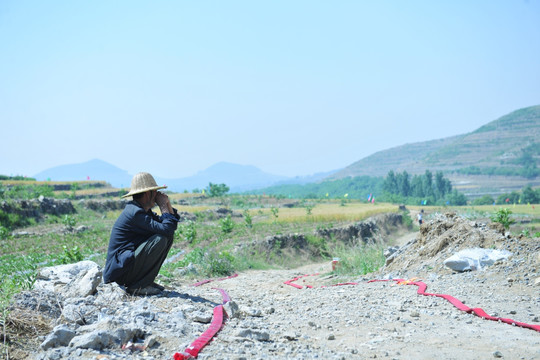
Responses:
[149,257]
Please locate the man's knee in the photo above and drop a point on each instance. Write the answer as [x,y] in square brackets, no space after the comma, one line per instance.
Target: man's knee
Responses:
[162,243]
[155,244]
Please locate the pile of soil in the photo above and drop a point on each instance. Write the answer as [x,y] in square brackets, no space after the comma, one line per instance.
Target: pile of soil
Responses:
[447,234]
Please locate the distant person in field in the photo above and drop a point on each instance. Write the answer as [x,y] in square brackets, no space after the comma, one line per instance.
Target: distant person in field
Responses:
[420,216]
[140,239]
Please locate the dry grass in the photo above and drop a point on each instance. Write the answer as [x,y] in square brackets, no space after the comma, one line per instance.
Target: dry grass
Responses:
[327,212]
[21,330]
[524,209]
[30,182]
[192,209]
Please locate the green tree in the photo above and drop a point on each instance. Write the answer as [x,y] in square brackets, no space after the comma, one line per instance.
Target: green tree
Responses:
[484,200]
[428,184]
[529,196]
[403,183]
[457,199]
[442,186]
[216,190]
[417,186]
[390,183]
[512,198]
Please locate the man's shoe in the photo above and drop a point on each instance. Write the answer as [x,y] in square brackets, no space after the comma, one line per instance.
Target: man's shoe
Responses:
[145,291]
[157,286]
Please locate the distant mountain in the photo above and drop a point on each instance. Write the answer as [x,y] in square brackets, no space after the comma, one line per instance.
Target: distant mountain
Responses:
[91,170]
[491,159]
[238,177]
[308,179]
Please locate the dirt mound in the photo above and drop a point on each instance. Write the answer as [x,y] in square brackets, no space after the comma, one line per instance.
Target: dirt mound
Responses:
[447,234]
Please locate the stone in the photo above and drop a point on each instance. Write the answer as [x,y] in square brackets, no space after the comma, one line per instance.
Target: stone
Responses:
[232,309]
[72,280]
[254,334]
[202,317]
[60,336]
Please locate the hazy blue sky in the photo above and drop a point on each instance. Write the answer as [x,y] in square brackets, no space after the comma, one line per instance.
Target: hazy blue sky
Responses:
[292,87]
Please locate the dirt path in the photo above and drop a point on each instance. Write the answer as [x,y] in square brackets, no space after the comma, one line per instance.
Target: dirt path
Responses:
[372,320]
[406,238]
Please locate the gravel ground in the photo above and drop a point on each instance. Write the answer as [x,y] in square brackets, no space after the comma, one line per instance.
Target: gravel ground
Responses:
[374,320]
[386,320]
[272,320]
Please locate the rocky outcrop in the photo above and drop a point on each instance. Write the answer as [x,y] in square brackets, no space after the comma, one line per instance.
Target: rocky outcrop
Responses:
[37,208]
[88,317]
[104,205]
[369,230]
[363,230]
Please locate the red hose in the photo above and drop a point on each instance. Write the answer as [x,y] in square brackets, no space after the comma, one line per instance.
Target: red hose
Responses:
[422,291]
[192,351]
[461,306]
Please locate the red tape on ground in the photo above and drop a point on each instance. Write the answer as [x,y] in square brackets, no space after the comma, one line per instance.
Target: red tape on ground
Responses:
[192,351]
[422,291]
[210,280]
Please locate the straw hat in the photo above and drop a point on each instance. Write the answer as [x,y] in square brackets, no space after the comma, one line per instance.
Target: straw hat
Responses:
[142,182]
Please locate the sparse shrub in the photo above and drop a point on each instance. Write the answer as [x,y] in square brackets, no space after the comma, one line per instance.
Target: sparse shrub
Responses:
[74,187]
[69,221]
[210,262]
[248,219]
[216,263]
[226,224]
[188,231]
[70,256]
[11,220]
[275,212]
[318,243]
[4,232]
[407,220]
[359,260]
[193,257]
[502,216]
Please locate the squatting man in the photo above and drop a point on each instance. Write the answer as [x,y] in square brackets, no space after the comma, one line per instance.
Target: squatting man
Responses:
[140,239]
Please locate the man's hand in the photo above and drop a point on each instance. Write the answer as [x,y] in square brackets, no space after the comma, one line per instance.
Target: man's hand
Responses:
[162,200]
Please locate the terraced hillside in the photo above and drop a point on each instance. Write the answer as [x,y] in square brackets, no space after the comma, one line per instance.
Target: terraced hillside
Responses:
[501,156]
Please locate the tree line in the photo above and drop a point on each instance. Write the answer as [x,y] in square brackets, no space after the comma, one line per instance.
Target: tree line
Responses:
[423,189]
[528,195]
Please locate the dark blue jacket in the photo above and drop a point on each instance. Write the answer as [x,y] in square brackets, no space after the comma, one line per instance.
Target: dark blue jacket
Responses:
[133,227]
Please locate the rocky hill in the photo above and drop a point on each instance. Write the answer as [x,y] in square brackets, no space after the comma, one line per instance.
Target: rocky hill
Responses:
[488,160]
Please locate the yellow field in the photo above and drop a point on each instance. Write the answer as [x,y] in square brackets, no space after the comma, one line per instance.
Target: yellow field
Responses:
[327,212]
[532,210]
